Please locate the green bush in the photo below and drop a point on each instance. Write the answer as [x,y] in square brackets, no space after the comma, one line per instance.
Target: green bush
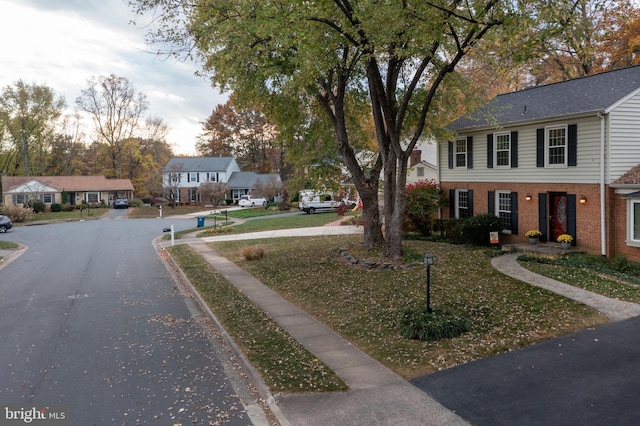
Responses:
[56,208]
[620,262]
[38,206]
[453,230]
[68,207]
[476,229]
[440,323]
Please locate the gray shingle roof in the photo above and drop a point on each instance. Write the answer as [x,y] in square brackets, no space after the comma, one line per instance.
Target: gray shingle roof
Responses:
[573,97]
[199,164]
[245,180]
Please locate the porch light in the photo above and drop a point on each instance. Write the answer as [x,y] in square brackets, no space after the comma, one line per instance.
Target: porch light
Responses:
[583,200]
[528,197]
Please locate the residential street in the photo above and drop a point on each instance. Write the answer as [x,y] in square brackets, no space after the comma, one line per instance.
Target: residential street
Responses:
[90,318]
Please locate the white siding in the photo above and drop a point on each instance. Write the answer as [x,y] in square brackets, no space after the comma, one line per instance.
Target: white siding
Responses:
[587,169]
[624,149]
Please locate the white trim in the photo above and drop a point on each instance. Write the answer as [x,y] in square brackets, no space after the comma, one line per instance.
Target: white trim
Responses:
[621,101]
[457,201]
[495,150]
[455,153]
[497,206]
[547,129]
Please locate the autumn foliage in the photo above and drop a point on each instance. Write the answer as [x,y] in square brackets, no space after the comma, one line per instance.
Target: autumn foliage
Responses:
[423,199]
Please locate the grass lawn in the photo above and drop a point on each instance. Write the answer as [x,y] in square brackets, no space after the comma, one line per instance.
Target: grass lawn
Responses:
[590,273]
[72,215]
[363,305]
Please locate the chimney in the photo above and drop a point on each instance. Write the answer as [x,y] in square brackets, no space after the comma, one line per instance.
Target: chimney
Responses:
[416,157]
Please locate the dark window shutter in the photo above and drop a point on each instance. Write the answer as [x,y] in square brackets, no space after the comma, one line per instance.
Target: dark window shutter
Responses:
[540,148]
[470,193]
[490,151]
[572,144]
[571,217]
[491,202]
[452,203]
[469,152]
[514,149]
[188,177]
[450,154]
[198,177]
[514,213]
[542,215]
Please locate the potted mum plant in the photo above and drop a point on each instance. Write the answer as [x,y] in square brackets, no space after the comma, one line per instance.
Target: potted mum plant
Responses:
[565,241]
[533,236]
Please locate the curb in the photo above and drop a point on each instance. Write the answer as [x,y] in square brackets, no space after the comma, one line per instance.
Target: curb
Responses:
[256,380]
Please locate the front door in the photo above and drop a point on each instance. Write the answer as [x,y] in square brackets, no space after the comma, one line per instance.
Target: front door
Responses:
[557,215]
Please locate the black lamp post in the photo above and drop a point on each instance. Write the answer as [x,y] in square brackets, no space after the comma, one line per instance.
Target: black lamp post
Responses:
[428,261]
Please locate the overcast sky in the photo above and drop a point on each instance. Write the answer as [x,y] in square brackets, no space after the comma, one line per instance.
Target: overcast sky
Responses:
[63,43]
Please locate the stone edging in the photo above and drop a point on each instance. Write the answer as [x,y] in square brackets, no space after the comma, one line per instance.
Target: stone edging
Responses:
[344,254]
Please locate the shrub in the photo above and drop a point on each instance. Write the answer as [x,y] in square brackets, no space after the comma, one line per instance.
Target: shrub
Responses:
[476,229]
[68,207]
[136,202]
[56,208]
[38,206]
[440,323]
[620,262]
[252,252]
[453,230]
[18,213]
[423,198]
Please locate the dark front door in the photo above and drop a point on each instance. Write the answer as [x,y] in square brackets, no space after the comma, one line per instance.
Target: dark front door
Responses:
[557,215]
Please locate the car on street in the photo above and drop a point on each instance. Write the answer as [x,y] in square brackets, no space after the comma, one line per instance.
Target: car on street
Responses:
[121,203]
[5,224]
[251,201]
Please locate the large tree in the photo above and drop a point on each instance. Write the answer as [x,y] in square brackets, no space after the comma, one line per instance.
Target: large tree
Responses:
[397,56]
[116,110]
[28,113]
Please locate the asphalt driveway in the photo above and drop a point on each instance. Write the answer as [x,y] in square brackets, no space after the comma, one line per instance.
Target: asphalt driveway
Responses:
[591,377]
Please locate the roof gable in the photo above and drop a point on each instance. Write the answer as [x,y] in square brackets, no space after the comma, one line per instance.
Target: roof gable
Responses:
[68,183]
[631,177]
[591,94]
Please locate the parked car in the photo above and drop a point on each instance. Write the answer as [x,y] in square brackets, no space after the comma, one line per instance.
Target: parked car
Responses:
[251,201]
[5,224]
[121,203]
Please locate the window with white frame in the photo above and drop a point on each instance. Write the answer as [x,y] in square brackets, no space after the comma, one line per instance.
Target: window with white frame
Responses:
[556,146]
[462,203]
[174,177]
[213,176]
[461,153]
[420,171]
[633,222]
[92,197]
[193,177]
[194,195]
[503,149]
[47,198]
[503,209]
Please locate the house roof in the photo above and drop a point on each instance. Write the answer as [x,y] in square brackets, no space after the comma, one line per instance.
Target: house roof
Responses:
[70,183]
[198,164]
[592,94]
[243,180]
[631,177]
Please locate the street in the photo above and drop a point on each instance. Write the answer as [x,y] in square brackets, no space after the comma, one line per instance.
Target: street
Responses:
[90,318]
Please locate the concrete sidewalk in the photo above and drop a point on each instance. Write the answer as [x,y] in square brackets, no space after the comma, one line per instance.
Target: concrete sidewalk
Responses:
[377,396]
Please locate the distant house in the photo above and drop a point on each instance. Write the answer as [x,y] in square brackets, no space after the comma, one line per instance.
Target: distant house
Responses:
[423,163]
[73,190]
[561,158]
[184,175]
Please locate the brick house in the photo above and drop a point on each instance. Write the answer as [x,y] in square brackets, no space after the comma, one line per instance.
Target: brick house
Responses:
[73,190]
[184,175]
[561,158]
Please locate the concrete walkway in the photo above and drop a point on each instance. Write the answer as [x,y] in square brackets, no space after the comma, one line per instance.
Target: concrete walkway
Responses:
[615,310]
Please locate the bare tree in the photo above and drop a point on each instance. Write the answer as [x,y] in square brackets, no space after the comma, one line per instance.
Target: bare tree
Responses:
[115,108]
[214,192]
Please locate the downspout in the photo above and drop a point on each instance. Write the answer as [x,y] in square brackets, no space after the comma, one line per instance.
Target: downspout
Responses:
[603,224]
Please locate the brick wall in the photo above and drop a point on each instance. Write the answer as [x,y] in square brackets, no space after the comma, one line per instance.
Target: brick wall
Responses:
[587,215]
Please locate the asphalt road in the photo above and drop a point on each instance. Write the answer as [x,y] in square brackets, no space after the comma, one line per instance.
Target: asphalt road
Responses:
[90,318]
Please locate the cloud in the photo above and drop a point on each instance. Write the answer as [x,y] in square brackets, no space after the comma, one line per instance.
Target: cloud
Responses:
[64,43]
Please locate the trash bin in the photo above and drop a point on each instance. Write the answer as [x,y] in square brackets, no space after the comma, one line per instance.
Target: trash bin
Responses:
[200,221]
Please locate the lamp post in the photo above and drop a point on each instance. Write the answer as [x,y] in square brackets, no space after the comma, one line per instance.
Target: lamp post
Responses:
[428,261]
